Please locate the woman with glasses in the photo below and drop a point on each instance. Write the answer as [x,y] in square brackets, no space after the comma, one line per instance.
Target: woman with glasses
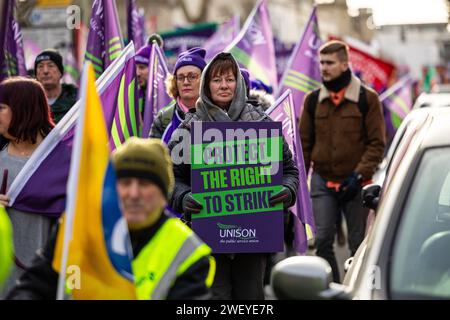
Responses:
[183,86]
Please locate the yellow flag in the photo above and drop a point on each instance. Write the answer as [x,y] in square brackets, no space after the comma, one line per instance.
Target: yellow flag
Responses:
[98,261]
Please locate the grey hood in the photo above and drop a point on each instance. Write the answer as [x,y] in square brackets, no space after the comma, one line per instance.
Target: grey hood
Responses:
[206,109]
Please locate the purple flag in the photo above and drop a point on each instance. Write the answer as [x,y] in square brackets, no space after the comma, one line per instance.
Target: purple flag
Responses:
[283,53]
[222,38]
[71,69]
[254,49]
[397,102]
[50,163]
[304,226]
[122,102]
[302,74]
[12,60]
[104,40]
[156,96]
[3,19]
[135,26]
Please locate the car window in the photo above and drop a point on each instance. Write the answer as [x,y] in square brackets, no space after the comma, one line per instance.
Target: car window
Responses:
[444,197]
[421,249]
[400,150]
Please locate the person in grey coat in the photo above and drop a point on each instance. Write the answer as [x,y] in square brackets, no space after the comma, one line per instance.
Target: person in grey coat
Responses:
[223,98]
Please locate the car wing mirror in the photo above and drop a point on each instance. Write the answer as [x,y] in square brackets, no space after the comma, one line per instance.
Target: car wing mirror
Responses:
[371,196]
[305,278]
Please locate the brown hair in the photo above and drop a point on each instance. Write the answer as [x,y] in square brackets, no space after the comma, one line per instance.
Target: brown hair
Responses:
[30,111]
[336,46]
[223,63]
[171,86]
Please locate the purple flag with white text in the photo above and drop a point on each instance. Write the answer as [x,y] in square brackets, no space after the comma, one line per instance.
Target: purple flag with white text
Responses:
[302,74]
[135,26]
[304,226]
[226,33]
[50,163]
[397,101]
[156,95]
[12,60]
[254,49]
[105,39]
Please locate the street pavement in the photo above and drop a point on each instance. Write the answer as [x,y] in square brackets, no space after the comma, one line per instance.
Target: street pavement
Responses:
[342,254]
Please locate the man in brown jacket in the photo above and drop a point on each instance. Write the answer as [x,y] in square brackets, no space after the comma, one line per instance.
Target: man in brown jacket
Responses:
[342,134]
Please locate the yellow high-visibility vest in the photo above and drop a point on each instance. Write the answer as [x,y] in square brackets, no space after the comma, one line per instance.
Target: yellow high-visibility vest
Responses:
[6,245]
[172,250]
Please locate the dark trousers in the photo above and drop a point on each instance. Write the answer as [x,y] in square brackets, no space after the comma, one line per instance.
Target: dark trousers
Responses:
[239,276]
[327,207]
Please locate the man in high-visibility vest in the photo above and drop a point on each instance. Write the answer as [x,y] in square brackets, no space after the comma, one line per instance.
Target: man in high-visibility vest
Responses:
[6,246]
[170,261]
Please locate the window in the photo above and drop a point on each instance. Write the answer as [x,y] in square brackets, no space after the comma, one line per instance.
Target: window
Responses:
[421,251]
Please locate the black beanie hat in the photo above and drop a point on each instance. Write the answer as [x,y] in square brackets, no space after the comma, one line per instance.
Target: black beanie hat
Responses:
[51,55]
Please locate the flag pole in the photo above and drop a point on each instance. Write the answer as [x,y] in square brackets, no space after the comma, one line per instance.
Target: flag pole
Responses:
[401,82]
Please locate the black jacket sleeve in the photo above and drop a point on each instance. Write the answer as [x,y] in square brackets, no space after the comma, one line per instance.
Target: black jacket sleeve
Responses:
[40,280]
[290,172]
[181,167]
[191,285]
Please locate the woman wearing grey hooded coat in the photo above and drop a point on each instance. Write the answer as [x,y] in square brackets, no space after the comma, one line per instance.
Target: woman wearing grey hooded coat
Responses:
[238,276]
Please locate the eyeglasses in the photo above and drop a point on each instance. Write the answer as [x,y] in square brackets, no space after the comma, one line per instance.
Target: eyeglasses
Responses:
[191,77]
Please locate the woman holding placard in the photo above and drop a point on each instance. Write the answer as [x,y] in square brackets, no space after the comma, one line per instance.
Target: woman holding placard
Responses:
[223,99]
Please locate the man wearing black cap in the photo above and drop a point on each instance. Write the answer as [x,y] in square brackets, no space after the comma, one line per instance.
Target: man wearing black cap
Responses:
[49,70]
[170,261]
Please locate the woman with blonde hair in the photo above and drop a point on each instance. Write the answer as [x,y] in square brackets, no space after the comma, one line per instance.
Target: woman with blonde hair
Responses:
[183,86]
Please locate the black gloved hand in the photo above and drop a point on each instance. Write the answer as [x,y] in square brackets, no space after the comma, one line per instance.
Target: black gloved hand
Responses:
[283,196]
[190,206]
[350,187]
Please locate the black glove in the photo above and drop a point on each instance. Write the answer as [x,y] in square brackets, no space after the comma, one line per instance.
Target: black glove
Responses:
[190,206]
[283,196]
[350,187]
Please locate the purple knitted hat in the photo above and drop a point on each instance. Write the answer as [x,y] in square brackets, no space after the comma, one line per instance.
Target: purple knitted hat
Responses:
[143,55]
[192,57]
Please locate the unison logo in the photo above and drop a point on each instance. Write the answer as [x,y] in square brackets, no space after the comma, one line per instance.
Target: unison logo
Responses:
[236,232]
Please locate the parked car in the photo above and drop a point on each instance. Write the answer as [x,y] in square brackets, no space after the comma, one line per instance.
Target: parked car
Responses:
[433,99]
[439,97]
[406,253]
